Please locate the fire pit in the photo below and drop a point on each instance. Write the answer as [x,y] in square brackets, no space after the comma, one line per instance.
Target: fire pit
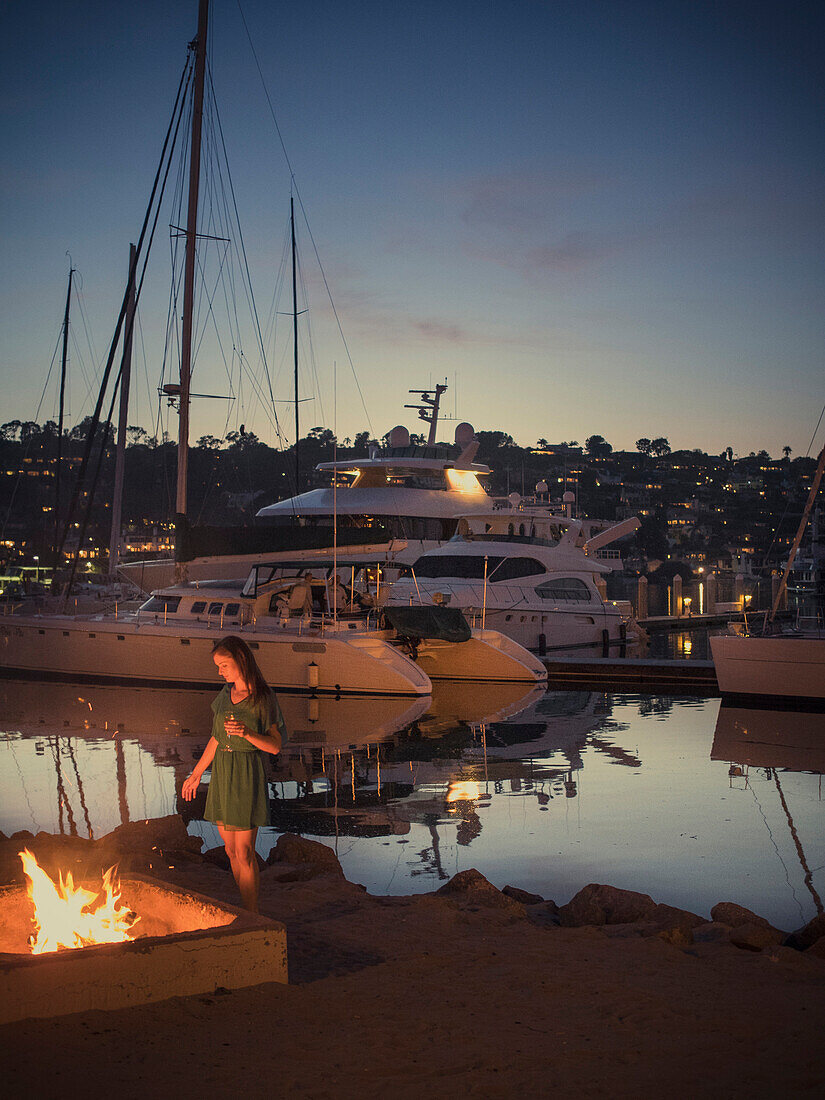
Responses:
[184,944]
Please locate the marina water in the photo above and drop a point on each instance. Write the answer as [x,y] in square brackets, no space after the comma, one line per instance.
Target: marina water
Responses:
[682,798]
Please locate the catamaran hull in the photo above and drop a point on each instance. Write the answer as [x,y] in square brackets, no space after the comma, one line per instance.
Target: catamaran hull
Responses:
[783,668]
[487,657]
[111,652]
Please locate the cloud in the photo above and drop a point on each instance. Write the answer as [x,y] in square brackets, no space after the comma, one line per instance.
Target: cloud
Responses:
[572,253]
[518,201]
[442,332]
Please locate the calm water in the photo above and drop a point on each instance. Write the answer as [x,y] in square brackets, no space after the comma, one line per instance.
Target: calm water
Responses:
[680,798]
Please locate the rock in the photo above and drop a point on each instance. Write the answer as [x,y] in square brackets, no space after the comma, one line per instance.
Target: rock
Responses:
[297,849]
[217,856]
[817,948]
[160,834]
[524,896]
[287,872]
[678,935]
[598,904]
[471,886]
[628,931]
[728,912]
[668,916]
[806,937]
[545,914]
[755,937]
[712,932]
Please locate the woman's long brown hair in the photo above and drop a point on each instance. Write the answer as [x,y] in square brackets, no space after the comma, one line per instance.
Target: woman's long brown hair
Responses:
[241,654]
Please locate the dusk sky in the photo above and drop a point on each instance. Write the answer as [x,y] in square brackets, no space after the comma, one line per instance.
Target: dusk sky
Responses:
[590,217]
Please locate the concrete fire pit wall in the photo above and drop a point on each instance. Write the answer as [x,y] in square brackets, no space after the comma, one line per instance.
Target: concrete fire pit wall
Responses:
[185,944]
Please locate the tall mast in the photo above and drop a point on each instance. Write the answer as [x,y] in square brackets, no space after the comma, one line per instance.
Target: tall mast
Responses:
[120,450]
[803,523]
[189,267]
[60,420]
[294,332]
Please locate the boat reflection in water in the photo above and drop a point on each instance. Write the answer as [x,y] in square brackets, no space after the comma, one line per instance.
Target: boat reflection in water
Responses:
[770,739]
[760,744]
[675,797]
[83,759]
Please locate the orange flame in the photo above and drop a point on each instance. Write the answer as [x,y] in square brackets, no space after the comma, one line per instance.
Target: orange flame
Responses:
[67,916]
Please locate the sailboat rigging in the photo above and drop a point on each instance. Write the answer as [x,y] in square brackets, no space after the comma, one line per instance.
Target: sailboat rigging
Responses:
[59,458]
[189,277]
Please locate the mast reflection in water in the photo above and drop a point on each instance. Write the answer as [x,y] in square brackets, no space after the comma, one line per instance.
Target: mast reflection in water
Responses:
[688,801]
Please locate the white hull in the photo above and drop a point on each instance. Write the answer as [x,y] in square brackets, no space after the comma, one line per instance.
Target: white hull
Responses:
[559,629]
[534,628]
[784,667]
[489,656]
[335,660]
[108,651]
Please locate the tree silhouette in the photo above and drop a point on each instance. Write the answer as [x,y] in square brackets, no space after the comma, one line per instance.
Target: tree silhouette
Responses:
[598,446]
[660,447]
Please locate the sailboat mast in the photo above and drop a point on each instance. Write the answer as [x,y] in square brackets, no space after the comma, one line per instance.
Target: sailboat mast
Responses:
[294,332]
[60,420]
[189,263]
[123,412]
[803,523]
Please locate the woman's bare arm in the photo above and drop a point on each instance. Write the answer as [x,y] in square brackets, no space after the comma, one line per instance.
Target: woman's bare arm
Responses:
[192,781]
[271,741]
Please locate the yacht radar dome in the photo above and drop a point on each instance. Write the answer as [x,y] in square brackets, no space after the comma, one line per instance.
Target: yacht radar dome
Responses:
[515,499]
[464,434]
[399,436]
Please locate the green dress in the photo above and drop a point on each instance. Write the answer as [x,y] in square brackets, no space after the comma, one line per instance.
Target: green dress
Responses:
[237,797]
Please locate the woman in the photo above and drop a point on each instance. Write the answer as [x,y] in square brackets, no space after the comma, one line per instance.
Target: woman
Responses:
[247,722]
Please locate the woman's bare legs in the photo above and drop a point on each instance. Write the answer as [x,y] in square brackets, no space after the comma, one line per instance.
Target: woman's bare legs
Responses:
[240,847]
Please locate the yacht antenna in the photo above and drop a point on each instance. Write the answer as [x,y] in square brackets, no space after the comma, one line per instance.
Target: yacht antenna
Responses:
[428,408]
[57,546]
[199,46]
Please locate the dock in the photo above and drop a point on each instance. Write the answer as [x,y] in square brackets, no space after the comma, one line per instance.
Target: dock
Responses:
[688,622]
[650,676]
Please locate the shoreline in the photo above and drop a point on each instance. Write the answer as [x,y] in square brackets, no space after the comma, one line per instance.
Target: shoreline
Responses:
[468,988]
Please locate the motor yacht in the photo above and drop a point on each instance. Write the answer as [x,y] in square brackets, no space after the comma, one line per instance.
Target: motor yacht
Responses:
[527,572]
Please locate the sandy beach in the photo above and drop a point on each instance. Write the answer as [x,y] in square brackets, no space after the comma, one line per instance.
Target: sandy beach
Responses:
[466,991]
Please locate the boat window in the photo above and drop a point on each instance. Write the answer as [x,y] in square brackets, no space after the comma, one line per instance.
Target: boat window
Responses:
[471,567]
[453,565]
[162,605]
[564,588]
[232,608]
[198,608]
[215,608]
[512,568]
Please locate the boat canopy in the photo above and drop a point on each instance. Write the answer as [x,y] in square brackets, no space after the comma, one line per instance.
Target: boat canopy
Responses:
[445,623]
